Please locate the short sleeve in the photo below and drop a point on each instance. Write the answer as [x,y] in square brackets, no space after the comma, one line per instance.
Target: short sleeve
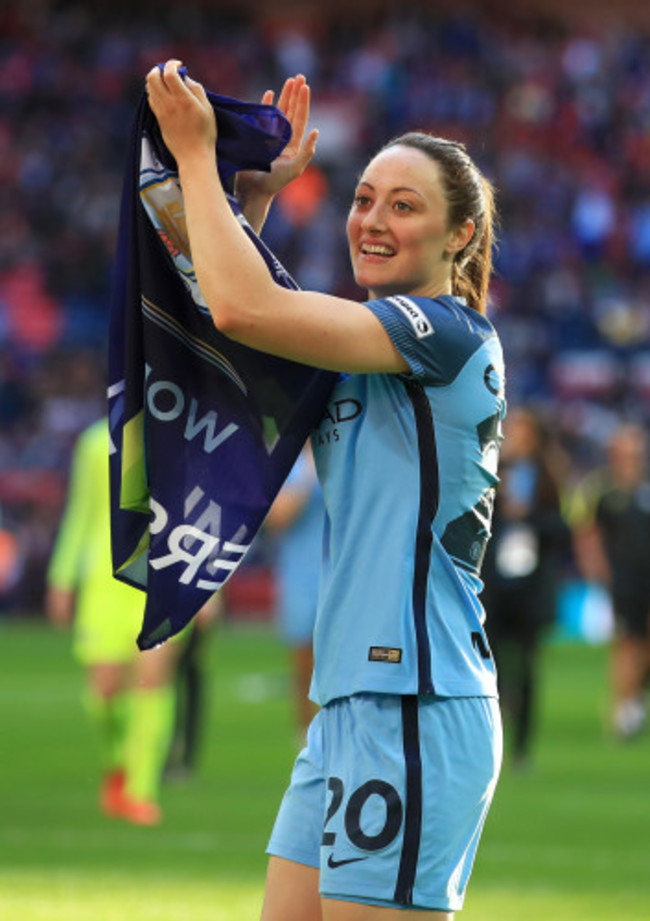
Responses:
[435,336]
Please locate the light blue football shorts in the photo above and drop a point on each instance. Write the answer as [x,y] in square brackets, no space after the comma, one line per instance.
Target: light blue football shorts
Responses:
[389,797]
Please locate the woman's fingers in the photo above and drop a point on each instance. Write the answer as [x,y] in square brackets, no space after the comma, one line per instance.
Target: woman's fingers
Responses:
[300,115]
[165,82]
[310,144]
[285,95]
[170,71]
[160,82]
[294,101]
[184,112]
[293,98]
[165,78]
[196,89]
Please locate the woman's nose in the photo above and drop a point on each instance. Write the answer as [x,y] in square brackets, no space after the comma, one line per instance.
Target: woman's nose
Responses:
[374,218]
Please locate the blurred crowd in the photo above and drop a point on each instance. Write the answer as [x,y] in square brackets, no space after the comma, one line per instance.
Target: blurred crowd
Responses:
[558,117]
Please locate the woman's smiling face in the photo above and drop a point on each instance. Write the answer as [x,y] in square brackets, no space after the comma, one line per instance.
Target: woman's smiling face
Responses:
[398,235]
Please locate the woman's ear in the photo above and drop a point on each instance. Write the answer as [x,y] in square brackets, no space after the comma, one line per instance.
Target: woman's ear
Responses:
[460,237]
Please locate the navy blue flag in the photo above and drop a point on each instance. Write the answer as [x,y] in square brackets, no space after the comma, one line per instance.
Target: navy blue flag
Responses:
[203,430]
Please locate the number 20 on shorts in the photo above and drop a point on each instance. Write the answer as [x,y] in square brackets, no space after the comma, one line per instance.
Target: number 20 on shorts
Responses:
[354,808]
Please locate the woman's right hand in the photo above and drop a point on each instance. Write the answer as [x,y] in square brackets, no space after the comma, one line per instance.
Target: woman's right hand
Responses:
[185,115]
[59,606]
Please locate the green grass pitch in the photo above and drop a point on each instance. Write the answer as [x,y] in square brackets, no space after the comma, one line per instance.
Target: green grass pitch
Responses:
[569,840]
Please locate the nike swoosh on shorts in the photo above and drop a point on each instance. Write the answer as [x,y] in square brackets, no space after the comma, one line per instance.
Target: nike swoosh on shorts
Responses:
[333,864]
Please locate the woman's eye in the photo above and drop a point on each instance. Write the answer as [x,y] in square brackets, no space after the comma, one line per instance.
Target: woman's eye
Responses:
[402,206]
[361,200]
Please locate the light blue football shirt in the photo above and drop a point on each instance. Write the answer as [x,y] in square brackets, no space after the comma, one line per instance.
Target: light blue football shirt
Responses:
[408,467]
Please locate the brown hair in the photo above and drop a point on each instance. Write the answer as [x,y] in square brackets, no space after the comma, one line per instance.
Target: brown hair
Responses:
[469,196]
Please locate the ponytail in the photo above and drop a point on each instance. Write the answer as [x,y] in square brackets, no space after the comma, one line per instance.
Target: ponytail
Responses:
[472,267]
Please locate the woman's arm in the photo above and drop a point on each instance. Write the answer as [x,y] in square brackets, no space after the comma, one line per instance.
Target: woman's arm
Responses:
[245,303]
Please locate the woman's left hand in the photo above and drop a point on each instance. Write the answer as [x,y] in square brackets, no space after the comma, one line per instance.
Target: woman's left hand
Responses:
[294,102]
[184,113]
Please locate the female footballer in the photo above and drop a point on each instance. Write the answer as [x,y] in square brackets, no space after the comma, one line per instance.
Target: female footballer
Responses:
[388,799]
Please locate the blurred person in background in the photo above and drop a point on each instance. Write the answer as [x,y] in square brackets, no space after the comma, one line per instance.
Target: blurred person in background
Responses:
[610,514]
[129,694]
[388,799]
[10,562]
[295,521]
[522,568]
[191,683]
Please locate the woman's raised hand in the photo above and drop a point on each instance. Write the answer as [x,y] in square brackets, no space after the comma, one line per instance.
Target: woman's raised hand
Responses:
[184,113]
[294,102]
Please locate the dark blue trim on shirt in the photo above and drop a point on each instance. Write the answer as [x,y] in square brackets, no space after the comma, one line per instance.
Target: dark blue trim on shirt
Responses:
[437,338]
[413,806]
[429,498]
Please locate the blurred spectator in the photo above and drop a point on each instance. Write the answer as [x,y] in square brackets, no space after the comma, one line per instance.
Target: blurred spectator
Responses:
[522,568]
[10,562]
[191,686]
[611,520]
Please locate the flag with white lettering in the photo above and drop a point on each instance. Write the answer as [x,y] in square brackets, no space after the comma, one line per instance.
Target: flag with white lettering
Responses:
[203,430]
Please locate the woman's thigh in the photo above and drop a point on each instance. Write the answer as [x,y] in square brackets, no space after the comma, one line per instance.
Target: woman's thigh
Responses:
[291,892]
[334,910]
[292,895]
